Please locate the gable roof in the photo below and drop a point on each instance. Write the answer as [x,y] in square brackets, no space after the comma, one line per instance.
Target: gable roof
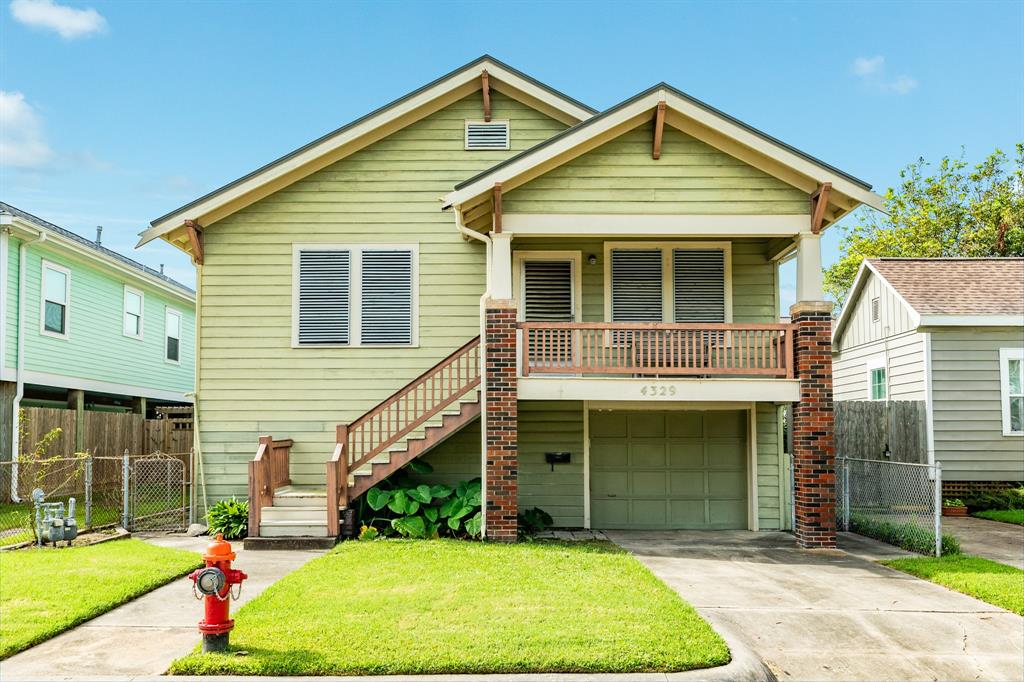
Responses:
[693,117]
[947,291]
[97,250]
[363,131]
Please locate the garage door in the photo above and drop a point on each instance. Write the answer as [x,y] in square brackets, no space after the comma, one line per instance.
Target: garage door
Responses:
[668,470]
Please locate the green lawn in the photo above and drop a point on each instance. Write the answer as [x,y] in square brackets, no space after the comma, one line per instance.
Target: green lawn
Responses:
[396,607]
[1004,515]
[16,520]
[46,591]
[986,580]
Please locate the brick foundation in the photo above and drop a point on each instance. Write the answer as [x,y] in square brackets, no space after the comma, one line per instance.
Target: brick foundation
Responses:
[813,448]
[501,419]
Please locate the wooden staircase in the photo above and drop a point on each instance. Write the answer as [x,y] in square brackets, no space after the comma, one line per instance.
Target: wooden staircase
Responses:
[408,424]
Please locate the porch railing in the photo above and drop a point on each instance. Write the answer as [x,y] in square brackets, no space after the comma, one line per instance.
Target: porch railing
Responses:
[656,349]
[268,470]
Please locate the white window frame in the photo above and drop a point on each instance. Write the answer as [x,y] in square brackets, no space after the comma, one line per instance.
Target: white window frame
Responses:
[142,312]
[1005,355]
[49,265]
[520,259]
[355,293]
[871,366]
[508,134]
[667,284]
[172,312]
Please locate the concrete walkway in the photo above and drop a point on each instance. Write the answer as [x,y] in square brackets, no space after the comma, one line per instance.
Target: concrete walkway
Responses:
[831,614]
[143,637]
[995,540]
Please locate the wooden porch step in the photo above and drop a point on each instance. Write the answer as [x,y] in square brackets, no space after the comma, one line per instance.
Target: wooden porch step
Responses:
[294,513]
[300,496]
[288,528]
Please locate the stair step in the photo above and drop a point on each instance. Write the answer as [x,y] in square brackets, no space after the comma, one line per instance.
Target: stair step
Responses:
[283,529]
[304,514]
[300,496]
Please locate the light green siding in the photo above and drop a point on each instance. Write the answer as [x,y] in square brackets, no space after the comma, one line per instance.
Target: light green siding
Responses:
[691,177]
[11,294]
[96,348]
[252,381]
[772,481]
[966,406]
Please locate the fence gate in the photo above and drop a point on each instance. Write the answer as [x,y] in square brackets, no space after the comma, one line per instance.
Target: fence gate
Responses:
[158,494]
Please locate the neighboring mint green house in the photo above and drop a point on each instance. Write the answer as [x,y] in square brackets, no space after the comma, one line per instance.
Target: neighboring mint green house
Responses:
[948,332]
[621,265]
[85,327]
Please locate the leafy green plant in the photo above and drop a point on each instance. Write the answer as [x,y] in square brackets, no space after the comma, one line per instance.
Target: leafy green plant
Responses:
[1010,498]
[906,535]
[230,517]
[368,533]
[419,510]
[953,502]
[534,520]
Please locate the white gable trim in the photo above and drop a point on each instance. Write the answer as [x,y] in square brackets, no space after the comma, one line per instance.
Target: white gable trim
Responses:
[855,290]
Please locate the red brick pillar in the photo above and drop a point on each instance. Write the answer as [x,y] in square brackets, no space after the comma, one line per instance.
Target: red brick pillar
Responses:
[501,417]
[813,448]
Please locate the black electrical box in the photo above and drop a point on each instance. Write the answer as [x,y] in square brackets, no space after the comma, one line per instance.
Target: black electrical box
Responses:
[554,458]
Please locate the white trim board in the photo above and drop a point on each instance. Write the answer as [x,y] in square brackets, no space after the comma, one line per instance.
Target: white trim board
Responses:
[623,226]
[1005,355]
[95,386]
[669,391]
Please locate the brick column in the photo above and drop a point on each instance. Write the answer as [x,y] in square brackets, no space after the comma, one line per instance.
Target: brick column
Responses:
[501,421]
[813,448]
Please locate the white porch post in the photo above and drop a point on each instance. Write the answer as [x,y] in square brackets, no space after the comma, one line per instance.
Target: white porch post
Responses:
[501,266]
[808,268]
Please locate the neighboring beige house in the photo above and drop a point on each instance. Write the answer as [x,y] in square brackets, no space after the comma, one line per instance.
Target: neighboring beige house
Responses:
[489,274]
[948,332]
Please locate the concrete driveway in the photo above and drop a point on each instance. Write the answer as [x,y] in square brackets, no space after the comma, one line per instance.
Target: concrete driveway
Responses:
[832,614]
[995,540]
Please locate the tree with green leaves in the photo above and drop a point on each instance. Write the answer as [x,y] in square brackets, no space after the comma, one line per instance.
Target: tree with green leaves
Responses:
[956,211]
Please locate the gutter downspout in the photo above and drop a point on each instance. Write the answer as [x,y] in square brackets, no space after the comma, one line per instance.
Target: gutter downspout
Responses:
[473,234]
[19,391]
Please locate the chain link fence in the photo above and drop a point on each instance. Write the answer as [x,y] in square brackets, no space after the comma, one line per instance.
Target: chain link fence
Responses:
[896,502]
[136,492]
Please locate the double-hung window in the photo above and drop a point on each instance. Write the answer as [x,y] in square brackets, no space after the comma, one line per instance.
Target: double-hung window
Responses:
[172,335]
[354,295]
[56,288]
[133,306]
[1011,379]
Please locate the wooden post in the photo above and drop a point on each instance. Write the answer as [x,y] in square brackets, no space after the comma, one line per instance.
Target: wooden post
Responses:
[342,433]
[659,129]
[8,420]
[485,86]
[139,408]
[76,402]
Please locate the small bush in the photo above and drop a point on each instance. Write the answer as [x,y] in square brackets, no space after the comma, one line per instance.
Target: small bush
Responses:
[534,520]
[229,517]
[1010,498]
[906,535]
[954,502]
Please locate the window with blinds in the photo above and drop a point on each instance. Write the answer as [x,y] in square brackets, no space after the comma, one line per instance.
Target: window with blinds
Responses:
[324,297]
[386,297]
[547,291]
[698,281]
[636,285]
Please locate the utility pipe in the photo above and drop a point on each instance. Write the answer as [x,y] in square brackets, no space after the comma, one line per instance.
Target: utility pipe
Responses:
[19,362]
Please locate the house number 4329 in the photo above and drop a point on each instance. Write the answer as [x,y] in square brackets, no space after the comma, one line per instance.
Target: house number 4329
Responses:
[653,391]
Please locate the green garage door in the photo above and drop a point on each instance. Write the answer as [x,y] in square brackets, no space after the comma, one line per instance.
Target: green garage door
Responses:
[668,470]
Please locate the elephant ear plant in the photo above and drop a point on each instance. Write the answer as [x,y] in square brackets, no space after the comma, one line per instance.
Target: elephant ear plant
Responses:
[426,511]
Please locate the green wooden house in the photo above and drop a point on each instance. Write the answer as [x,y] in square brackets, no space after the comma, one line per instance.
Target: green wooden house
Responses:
[83,327]
[579,307]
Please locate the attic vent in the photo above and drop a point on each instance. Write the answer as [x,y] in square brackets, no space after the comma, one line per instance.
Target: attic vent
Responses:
[486,135]
[875,312]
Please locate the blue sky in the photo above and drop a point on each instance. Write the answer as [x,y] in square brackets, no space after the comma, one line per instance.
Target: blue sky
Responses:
[114,113]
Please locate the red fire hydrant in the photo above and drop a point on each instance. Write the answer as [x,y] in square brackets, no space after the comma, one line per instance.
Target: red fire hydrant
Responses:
[214,582]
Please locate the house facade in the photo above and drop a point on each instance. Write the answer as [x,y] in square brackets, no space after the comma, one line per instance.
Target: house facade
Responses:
[86,328]
[948,332]
[580,308]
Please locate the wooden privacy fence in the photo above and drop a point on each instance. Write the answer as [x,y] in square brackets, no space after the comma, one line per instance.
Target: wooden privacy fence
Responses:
[107,434]
[866,430]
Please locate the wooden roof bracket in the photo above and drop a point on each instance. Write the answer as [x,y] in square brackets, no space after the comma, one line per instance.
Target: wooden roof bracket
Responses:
[485,87]
[497,207]
[819,201]
[659,130]
[195,239]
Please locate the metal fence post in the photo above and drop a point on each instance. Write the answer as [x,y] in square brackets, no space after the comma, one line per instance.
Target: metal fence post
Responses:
[88,490]
[938,509]
[846,494]
[124,490]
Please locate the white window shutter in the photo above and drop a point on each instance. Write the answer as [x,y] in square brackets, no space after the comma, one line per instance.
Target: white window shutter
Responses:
[386,297]
[324,297]
[636,285]
[699,285]
[547,291]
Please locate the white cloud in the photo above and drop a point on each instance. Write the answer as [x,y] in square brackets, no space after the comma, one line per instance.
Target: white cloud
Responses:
[22,143]
[871,72]
[68,22]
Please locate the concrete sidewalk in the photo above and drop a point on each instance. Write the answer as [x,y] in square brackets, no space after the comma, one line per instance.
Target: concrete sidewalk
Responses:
[143,637]
[995,540]
[832,614]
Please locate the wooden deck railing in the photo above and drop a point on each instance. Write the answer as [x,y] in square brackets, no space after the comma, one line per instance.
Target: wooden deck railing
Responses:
[268,470]
[657,349]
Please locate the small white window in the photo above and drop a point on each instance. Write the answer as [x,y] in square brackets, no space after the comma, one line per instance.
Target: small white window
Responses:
[1011,376]
[878,384]
[487,135]
[875,310]
[133,307]
[56,288]
[172,336]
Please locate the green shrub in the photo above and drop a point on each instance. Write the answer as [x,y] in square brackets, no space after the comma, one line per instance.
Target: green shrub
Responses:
[229,517]
[1010,498]
[953,502]
[534,520]
[909,536]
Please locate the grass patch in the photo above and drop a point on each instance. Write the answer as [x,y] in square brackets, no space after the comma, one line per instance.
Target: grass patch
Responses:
[909,536]
[989,581]
[44,592]
[17,519]
[398,607]
[1005,515]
